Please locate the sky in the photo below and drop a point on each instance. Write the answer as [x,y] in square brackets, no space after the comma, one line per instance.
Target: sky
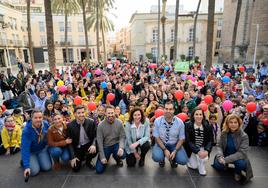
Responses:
[125,8]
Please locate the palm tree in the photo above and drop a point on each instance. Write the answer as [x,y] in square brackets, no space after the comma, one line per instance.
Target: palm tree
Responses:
[195,24]
[176,30]
[30,34]
[163,21]
[210,35]
[50,35]
[237,17]
[69,7]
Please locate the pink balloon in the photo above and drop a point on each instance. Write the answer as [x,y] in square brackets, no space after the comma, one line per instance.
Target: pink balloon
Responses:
[98,72]
[227,105]
[63,89]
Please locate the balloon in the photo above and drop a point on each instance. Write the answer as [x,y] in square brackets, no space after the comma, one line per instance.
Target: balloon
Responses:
[200,83]
[183,77]
[109,66]
[92,106]
[3,108]
[193,79]
[228,74]
[251,107]
[159,113]
[265,121]
[178,94]
[208,99]
[219,93]
[128,87]
[110,97]
[103,85]
[225,79]
[153,66]
[98,72]
[63,89]
[183,116]
[60,83]
[204,106]
[227,105]
[166,68]
[77,100]
[88,75]
[241,69]
[162,76]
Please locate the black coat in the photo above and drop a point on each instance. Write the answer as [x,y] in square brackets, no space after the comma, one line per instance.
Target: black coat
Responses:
[190,138]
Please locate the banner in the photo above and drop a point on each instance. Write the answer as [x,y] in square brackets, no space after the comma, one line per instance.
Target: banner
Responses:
[182,66]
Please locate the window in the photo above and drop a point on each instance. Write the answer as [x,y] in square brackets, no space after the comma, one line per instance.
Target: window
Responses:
[172,35]
[219,22]
[80,27]
[82,40]
[1,18]
[218,44]
[154,52]
[218,33]
[155,35]
[43,40]
[41,26]
[191,35]
[13,23]
[69,27]
[190,52]
[61,26]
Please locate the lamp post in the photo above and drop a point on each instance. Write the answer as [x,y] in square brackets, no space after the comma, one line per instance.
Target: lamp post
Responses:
[256,46]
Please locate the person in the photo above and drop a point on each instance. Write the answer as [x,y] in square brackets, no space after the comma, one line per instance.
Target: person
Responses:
[34,153]
[58,142]
[111,140]
[11,137]
[137,137]
[233,148]
[199,140]
[169,135]
[82,131]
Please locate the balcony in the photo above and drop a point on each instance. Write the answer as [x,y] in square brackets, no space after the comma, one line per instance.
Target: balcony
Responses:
[63,43]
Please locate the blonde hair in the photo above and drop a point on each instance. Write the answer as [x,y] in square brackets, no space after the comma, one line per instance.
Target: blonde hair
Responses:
[225,127]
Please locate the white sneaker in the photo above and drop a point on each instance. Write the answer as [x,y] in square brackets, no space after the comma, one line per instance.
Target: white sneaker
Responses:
[190,166]
[201,167]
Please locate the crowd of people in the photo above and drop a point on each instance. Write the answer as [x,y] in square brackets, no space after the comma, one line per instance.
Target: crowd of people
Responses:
[86,111]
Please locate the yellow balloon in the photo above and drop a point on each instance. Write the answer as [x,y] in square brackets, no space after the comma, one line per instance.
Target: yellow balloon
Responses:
[60,83]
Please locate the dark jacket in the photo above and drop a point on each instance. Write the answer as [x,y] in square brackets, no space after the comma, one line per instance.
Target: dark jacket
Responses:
[190,138]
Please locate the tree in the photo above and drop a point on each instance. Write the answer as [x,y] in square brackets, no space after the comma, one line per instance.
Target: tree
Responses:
[30,44]
[68,7]
[195,26]
[237,17]
[50,35]
[176,30]
[210,35]
[163,21]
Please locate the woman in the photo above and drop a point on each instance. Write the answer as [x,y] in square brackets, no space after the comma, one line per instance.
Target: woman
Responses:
[188,101]
[11,137]
[199,139]
[233,147]
[137,137]
[49,111]
[58,141]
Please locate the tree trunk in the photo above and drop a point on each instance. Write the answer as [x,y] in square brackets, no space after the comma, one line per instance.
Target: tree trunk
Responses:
[210,35]
[66,33]
[103,43]
[195,25]
[176,30]
[85,30]
[30,45]
[237,17]
[163,21]
[97,30]
[50,35]
[158,33]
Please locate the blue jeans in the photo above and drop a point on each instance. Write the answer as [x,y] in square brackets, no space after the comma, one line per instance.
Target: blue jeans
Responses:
[108,151]
[58,153]
[239,165]
[40,161]
[158,154]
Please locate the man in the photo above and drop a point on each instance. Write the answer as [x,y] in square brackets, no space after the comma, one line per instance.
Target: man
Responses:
[82,131]
[169,134]
[111,140]
[34,154]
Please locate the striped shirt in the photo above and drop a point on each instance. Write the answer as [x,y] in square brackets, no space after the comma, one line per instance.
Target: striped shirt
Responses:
[199,135]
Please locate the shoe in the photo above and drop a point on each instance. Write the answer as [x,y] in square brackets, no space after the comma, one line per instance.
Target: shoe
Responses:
[141,163]
[201,168]
[173,164]
[56,166]
[119,163]
[190,166]
[237,177]
[90,166]
[162,164]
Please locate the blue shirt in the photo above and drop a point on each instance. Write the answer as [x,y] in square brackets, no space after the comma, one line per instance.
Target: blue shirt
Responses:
[176,130]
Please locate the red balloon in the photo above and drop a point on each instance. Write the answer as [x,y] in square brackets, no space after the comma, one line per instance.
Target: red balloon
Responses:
[219,93]
[228,74]
[251,107]
[200,83]
[3,108]
[208,99]
[110,97]
[92,106]
[128,87]
[159,113]
[183,116]
[179,94]
[265,121]
[77,100]
[242,69]
[204,106]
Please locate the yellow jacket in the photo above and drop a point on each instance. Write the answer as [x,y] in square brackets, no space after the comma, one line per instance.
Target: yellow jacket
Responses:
[19,120]
[15,139]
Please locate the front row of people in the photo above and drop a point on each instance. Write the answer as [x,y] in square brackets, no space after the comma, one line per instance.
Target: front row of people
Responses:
[82,139]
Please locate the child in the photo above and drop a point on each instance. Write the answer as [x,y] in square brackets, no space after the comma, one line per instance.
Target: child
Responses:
[19,120]
[216,128]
